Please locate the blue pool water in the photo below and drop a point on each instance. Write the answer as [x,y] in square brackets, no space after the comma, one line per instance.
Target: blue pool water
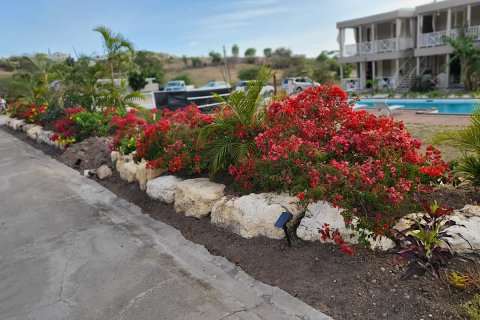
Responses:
[445,106]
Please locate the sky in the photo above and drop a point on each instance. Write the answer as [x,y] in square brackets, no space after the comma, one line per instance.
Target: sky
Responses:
[181,27]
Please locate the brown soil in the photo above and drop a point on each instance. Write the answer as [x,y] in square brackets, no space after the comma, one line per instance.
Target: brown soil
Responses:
[366,285]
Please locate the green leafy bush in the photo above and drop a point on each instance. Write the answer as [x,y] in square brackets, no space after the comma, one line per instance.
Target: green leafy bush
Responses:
[473,308]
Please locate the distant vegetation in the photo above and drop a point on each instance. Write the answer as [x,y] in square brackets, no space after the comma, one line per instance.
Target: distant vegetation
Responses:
[121,62]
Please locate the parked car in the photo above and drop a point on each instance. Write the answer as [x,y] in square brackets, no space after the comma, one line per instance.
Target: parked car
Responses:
[177,85]
[217,84]
[267,89]
[298,84]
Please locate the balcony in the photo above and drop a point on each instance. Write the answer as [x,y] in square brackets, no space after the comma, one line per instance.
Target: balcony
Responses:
[351,84]
[434,39]
[378,46]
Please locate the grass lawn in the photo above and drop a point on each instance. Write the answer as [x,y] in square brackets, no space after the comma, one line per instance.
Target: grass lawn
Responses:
[425,133]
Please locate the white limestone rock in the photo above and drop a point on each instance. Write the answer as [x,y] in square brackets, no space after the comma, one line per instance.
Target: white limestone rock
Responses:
[145,174]
[255,214]
[4,119]
[17,124]
[163,188]
[27,126]
[128,171]
[104,172]
[35,132]
[196,197]
[468,226]
[319,213]
[114,155]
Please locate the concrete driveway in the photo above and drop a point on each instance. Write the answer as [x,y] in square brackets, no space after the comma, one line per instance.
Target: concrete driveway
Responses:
[70,249]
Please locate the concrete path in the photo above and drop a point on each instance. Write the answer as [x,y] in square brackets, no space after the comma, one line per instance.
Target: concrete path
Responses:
[70,249]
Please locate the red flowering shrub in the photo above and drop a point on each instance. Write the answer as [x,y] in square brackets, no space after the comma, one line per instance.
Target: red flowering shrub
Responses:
[169,141]
[127,129]
[33,113]
[317,147]
[65,129]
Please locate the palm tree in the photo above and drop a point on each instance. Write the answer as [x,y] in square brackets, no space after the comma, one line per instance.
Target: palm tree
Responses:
[468,141]
[116,46]
[465,51]
[243,109]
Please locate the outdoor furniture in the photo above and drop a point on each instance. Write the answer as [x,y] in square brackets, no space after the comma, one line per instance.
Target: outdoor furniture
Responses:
[382,106]
[359,106]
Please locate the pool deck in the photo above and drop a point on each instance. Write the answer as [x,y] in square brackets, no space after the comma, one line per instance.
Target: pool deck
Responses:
[410,116]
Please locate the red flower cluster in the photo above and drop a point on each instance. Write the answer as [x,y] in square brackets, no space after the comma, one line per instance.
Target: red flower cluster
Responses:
[169,142]
[33,113]
[316,146]
[125,128]
[336,238]
[65,129]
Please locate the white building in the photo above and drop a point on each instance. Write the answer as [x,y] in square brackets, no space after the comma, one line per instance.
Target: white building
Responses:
[390,50]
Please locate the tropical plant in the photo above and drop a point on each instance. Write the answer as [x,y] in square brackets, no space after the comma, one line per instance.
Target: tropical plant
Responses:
[468,141]
[112,95]
[468,54]
[79,85]
[230,136]
[116,47]
[457,280]
[473,308]
[428,247]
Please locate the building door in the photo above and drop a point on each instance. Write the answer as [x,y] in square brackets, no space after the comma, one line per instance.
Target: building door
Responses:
[455,72]
[427,25]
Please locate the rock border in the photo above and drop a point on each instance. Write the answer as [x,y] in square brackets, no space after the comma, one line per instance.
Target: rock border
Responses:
[201,198]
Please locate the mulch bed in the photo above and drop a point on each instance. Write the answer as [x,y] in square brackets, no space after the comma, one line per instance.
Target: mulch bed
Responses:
[366,285]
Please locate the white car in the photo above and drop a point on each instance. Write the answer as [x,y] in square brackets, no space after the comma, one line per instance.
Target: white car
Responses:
[298,84]
[267,89]
[177,85]
[217,85]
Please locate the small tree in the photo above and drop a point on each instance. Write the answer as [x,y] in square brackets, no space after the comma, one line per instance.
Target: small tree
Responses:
[250,55]
[196,62]
[249,73]
[235,51]
[185,77]
[185,60]
[136,81]
[267,52]
[215,56]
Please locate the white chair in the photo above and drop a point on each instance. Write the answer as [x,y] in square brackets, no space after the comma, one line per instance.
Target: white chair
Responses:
[381,106]
[359,106]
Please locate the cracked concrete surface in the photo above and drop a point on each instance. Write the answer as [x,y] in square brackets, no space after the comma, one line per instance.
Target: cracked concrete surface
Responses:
[70,249]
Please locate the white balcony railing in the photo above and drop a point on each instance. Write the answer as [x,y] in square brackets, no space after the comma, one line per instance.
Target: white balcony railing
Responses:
[351,84]
[378,46]
[432,39]
[386,45]
[350,50]
[473,31]
[366,47]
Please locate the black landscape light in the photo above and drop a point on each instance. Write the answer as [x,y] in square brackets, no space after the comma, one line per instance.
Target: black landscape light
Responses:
[282,223]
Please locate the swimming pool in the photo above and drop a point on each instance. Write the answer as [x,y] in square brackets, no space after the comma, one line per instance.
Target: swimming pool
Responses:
[444,106]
